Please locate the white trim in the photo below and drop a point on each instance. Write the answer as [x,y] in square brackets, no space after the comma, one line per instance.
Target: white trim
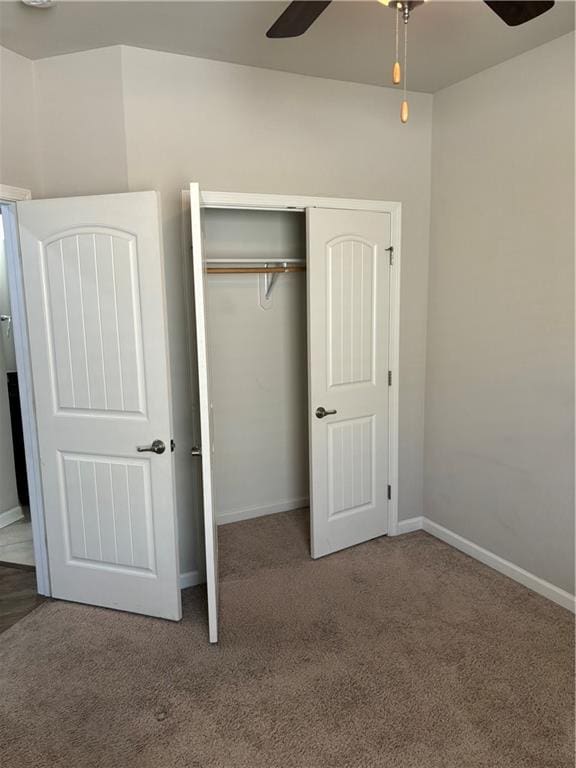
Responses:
[191,579]
[535,583]
[23,364]
[301,203]
[409,525]
[205,410]
[529,580]
[13,194]
[293,202]
[10,516]
[195,436]
[235,516]
[394,366]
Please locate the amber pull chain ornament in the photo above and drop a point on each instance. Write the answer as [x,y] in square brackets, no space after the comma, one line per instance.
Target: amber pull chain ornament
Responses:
[404,106]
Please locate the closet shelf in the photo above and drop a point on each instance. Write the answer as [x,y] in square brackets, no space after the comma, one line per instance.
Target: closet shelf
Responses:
[263,270]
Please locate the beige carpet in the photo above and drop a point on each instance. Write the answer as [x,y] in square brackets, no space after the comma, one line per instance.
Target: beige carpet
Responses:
[397,653]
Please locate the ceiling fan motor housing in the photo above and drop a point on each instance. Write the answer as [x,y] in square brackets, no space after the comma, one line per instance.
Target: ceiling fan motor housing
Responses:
[405,7]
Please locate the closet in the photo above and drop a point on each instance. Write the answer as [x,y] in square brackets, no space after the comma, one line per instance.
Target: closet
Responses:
[296,334]
[256,320]
[294,306]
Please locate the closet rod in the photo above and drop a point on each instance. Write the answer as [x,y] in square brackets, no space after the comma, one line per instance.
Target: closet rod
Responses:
[253,270]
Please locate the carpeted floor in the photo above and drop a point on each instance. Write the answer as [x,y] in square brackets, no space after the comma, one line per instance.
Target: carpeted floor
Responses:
[399,653]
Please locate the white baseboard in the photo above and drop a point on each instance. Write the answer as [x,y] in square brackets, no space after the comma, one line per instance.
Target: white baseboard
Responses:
[247,514]
[409,525]
[191,579]
[535,583]
[10,516]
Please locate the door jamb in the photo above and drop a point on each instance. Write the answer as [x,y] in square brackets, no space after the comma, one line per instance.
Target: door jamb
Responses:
[9,196]
[243,200]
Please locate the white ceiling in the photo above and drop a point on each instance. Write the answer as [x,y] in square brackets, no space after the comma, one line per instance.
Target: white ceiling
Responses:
[448,41]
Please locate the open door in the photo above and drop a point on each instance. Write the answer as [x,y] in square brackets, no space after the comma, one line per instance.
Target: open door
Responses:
[96,316]
[348,329]
[210,530]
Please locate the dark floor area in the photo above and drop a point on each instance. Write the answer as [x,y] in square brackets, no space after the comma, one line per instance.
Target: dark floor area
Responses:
[17,594]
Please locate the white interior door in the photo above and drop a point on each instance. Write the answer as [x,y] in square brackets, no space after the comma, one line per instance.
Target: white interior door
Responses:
[210,529]
[348,324]
[95,307]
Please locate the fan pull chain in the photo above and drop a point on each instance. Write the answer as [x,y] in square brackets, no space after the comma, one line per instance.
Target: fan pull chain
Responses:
[396,72]
[404,107]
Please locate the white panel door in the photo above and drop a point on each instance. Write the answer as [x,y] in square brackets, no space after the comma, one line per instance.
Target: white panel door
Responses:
[205,403]
[95,307]
[348,324]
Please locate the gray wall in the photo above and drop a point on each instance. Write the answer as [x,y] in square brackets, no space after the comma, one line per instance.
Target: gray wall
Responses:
[499,455]
[245,129]
[164,120]
[499,393]
[81,141]
[18,129]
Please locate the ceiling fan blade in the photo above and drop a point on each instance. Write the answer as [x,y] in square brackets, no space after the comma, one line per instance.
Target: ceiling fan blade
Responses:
[518,13]
[297,18]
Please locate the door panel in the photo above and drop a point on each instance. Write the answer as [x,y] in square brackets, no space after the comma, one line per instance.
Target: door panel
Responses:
[210,529]
[96,317]
[348,315]
[350,311]
[93,308]
[113,496]
[350,465]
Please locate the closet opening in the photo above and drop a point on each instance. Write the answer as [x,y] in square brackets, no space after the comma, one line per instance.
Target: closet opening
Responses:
[256,314]
[296,325]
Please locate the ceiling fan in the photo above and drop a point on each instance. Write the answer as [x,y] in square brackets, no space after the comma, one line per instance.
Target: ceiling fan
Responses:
[301,14]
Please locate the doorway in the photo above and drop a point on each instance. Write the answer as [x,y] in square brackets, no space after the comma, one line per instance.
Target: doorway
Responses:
[344,384]
[24,536]
[16,545]
[98,394]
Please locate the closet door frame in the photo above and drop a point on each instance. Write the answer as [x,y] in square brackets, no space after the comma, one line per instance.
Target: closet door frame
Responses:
[264,202]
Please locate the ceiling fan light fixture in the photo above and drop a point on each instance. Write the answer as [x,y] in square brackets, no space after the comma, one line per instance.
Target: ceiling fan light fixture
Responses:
[39,3]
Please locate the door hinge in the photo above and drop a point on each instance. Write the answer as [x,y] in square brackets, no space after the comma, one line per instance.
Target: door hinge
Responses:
[391,254]
[389,492]
[389,378]
[172,445]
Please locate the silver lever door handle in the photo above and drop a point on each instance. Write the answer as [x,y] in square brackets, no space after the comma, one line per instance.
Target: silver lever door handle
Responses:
[321,412]
[157,446]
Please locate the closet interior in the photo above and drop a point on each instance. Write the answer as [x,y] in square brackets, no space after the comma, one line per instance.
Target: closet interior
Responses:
[257,332]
